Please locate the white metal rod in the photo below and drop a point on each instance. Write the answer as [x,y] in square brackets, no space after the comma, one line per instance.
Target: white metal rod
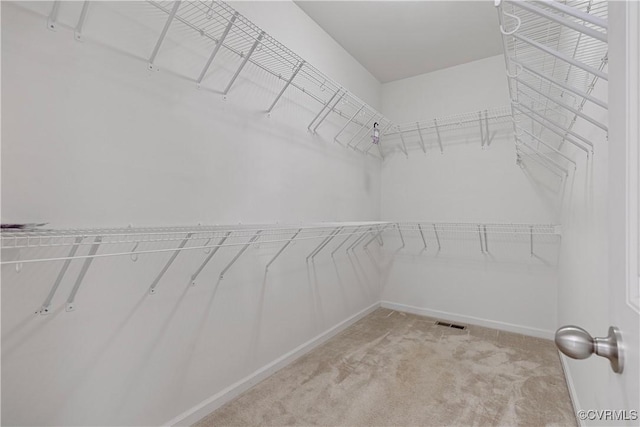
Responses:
[217,48]
[401,236]
[481,129]
[480,236]
[575,143]
[326,239]
[282,249]
[435,230]
[366,245]
[152,288]
[244,248]
[576,13]
[562,56]
[335,138]
[172,14]
[293,76]
[83,272]
[555,150]
[486,124]
[53,16]
[421,139]
[540,162]
[327,242]
[531,240]
[244,62]
[435,124]
[406,153]
[77,33]
[326,114]
[570,132]
[47,302]
[195,275]
[422,235]
[359,239]
[486,241]
[543,156]
[345,240]
[563,105]
[324,106]
[562,85]
[562,21]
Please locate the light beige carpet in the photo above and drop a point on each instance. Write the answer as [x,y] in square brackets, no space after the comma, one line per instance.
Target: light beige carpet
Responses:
[397,369]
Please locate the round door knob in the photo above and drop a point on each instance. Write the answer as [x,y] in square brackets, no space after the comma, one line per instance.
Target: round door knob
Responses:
[577,343]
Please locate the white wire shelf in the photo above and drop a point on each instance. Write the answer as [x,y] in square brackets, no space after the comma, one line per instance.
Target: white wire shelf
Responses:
[434,132]
[229,29]
[33,246]
[438,233]
[555,53]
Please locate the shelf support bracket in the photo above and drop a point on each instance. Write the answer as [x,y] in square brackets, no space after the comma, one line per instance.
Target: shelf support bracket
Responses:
[486,241]
[359,239]
[404,146]
[421,139]
[422,235]
[324,107]
[83,272]
[163,34]
[435,124]
[435,231]
[401,236]
[481,129]
[244,62]
[53,16]
[195,275]
[216,49]
[345,240]
[320,246]
[327,242]
[531,239]
[239,254]
[375,237]
[77,32]
[335,138]
[293,76]
[282,249]
[152,289]
[480,236]
[486,124]
[47,302]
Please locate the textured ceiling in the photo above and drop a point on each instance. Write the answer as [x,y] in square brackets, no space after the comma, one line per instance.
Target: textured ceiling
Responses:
[400,39]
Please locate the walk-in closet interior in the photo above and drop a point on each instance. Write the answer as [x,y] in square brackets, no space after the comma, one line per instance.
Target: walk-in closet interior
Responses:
[320,213]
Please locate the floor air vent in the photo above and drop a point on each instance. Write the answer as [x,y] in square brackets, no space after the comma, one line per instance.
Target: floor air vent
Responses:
[451,325]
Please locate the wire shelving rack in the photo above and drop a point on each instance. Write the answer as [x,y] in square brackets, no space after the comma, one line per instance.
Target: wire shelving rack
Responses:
[433,132]
[555,53]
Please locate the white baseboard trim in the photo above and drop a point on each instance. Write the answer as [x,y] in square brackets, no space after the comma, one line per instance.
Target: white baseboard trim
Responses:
[572,389]
[453,317]
[204,408]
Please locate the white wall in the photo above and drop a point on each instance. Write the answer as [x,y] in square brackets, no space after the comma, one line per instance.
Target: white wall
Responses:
[90,137]
[507,288]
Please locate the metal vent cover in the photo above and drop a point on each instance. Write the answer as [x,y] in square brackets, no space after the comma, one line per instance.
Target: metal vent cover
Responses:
[450,325]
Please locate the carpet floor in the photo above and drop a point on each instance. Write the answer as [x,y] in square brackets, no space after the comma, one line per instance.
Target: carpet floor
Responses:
[397,369]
